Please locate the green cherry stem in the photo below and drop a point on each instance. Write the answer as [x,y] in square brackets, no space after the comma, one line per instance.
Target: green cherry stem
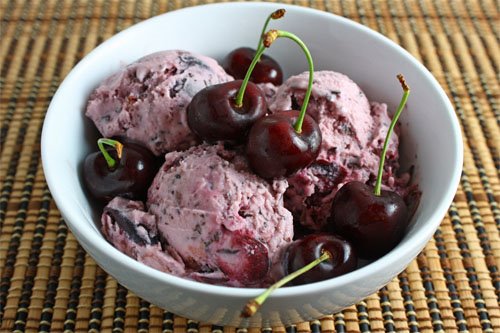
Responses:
[253,305]
[239,97]
[277,14]
[260,49]
[406,93]
[268,39]
[113,143]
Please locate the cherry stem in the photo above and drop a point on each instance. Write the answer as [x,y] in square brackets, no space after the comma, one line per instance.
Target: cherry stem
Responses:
[113,143]
[241,93]
[277,14]
[406,93]
[269,38]
[253,305]
[260,49]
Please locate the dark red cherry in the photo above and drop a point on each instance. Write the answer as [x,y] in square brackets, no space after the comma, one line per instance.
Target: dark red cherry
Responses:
[213,114]
[274,147]
[374,224]
[243,258]
[374,220]
[267,70]
[286,141]
[129,178]
[305,250]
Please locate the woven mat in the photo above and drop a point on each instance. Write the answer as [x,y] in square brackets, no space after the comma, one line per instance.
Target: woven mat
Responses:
[49,284]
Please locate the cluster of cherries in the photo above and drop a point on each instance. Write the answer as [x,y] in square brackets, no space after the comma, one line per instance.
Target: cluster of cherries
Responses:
[278,144]
[281,143]
[370,221]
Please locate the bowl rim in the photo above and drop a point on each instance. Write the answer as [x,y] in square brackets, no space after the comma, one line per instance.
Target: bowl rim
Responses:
[85,233]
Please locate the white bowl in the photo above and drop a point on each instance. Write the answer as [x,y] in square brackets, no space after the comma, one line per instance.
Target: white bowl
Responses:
[431,141]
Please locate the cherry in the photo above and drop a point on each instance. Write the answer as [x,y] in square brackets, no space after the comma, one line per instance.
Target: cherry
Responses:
[374,224]
[286,141]
[275,149]
[267,69]
[312,258]
[213,114]
[252,306]
[227,111]
[372,219]
[299,253]
[125,171]
[243,258]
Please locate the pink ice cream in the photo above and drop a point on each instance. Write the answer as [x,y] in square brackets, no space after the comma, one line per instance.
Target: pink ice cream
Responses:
[224,221]
[134,232]
[215,219]
[269,91]
[353,132]
[147,100]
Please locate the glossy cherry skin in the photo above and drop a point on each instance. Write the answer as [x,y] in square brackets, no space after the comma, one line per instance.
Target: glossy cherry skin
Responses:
[305,250]
[213,115]
[275,149]
[130,178]
[267,70]
[373,224]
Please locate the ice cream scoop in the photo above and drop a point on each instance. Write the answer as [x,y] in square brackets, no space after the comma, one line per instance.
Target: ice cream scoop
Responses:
[226,223]
[146,101]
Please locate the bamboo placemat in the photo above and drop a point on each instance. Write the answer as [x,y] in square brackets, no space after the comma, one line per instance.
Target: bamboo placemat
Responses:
[49,284]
